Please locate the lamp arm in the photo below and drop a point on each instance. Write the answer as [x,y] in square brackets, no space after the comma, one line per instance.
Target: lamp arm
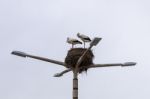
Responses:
[111,65]
[22,54]
[46,59]
[63,72]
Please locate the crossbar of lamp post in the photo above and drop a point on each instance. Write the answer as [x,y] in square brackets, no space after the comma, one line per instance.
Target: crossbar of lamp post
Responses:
[22,54]
[98,65]
[112,65]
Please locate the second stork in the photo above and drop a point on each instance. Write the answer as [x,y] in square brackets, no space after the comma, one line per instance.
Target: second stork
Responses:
[84,38]
[73,41]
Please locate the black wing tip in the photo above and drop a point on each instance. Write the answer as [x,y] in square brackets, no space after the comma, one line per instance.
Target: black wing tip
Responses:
[77,41]
[88,39]
[80,42]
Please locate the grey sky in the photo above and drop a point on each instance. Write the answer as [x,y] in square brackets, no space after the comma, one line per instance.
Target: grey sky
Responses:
[40,27]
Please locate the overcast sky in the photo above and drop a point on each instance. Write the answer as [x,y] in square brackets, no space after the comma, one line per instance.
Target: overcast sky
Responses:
[40,27]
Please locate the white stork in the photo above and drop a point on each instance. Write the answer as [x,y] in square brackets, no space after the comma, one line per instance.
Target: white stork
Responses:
[73,41]
[84,38]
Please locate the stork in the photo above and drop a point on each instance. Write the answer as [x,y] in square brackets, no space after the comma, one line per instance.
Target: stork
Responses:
[84,38]
[73,41]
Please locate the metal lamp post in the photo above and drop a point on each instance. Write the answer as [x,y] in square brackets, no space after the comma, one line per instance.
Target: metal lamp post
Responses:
[94,42]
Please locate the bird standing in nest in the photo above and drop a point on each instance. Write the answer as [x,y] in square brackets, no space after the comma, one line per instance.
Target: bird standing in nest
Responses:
[73,41]
[84,38]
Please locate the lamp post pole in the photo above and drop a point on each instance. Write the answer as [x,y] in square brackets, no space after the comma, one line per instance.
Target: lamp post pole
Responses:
[94,42]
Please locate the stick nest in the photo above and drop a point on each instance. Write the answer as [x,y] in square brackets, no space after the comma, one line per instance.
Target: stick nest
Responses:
[74,54]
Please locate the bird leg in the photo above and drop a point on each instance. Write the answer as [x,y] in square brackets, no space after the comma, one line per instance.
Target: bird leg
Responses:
[84,44]
[61,73]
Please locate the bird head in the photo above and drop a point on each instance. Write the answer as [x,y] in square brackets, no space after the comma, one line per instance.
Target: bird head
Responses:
[67,38]
[78,34]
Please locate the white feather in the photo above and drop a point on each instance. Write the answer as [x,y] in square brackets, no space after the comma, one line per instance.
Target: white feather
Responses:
[73,41]
[83,37]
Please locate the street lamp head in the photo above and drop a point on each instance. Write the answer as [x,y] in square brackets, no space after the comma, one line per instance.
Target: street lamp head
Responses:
[95,41]
[18,53]
[129,64]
